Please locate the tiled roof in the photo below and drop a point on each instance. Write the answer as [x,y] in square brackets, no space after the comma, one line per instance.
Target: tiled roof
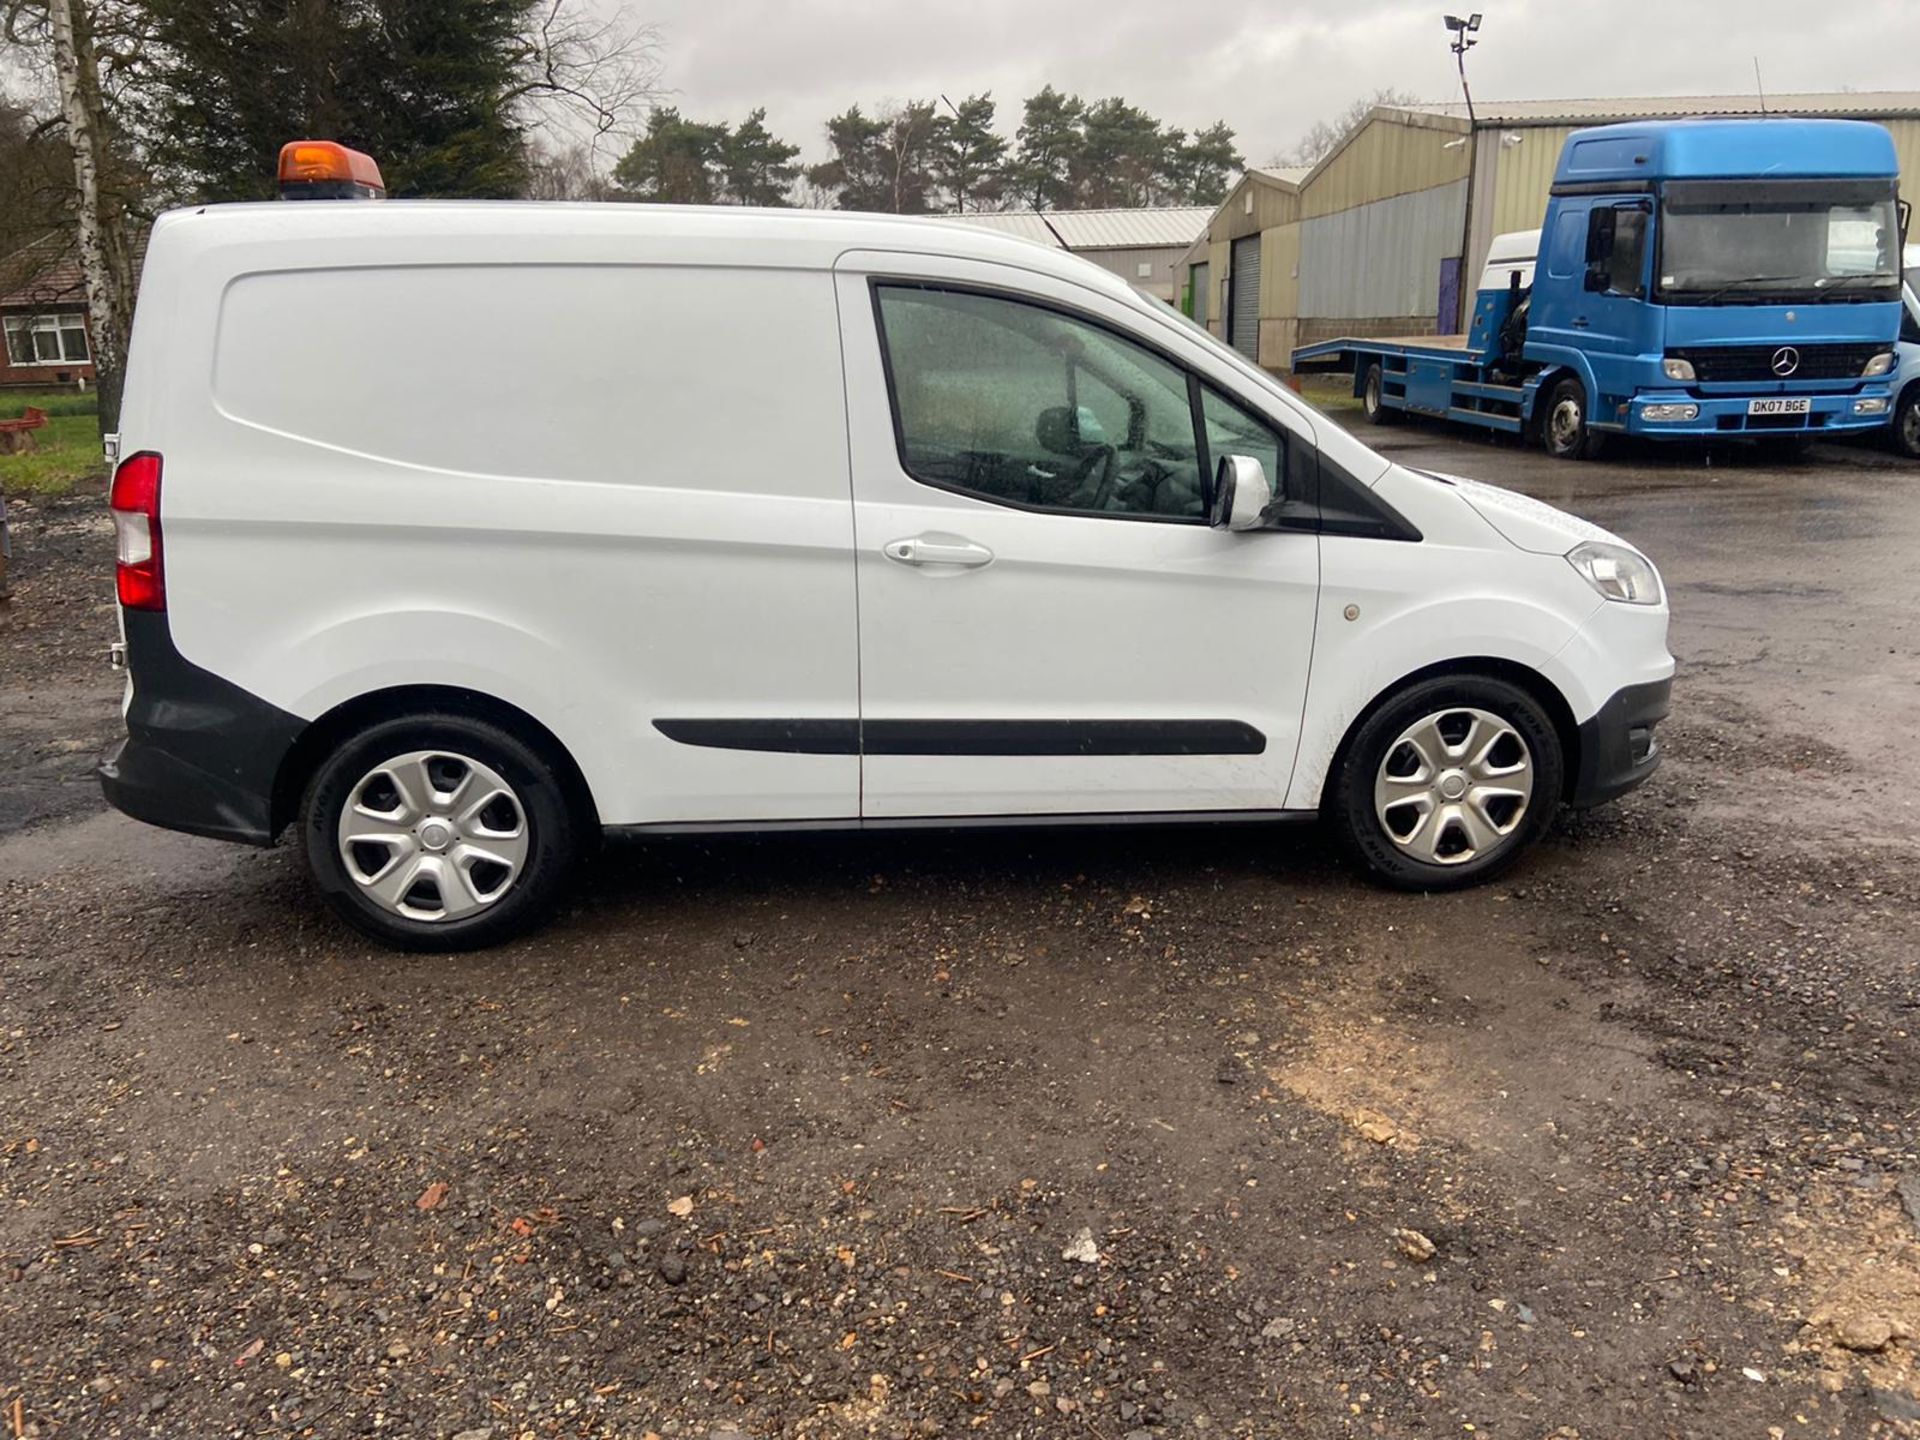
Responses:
[47,272]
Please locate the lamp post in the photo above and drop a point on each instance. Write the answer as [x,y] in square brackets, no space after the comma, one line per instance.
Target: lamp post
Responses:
[1463,32]
[1463,41]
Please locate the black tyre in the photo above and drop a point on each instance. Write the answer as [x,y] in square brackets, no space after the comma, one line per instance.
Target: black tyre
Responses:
[1565,431]
[1372,397]
[1449,782]
[1906,423]
[439,832]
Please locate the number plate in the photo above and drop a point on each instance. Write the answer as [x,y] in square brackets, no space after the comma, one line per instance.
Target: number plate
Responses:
[1780,406]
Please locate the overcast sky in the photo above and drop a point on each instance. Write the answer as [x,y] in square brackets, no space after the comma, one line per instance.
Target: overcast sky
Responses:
[1269,68]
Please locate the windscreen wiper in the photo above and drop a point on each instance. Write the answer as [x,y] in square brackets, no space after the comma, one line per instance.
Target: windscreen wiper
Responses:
[1880,278]
[1749,280]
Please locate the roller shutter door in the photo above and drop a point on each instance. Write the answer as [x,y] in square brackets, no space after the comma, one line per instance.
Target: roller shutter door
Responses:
[1245,321]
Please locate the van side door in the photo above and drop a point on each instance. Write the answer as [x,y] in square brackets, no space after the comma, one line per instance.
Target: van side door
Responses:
[1048,624]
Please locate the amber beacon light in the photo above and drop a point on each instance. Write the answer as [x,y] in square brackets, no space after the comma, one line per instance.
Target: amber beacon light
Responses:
[327,170]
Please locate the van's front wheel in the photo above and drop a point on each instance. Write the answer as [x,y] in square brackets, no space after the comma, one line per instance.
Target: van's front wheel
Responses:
[1448,782]
[438,832]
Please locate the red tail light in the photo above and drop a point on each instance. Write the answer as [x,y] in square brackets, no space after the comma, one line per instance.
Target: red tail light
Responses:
[136,527]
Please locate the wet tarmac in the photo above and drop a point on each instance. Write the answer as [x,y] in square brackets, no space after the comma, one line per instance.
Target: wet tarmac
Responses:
[1162,1133]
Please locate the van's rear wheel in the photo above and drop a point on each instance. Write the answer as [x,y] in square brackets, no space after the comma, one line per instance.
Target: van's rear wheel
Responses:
[1372,398]
[438,832]
[1448,782]
[1566,432]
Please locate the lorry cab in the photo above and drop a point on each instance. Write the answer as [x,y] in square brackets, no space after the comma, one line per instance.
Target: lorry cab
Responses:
[1716,278]
[1905,433]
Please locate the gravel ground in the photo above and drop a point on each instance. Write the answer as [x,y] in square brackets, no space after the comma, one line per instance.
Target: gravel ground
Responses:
[1141,1134]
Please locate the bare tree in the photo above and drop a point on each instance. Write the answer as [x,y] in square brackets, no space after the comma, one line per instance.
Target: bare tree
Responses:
[36,187]
[87,37]
[597,70]
[565,172]
[1320,140]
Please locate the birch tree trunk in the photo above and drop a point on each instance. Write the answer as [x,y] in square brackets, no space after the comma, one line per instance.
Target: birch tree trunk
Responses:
[100,226]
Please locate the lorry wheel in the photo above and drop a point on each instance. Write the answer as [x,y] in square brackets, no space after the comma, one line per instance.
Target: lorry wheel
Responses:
[1564,431]
[438,832]
[1906,423]
[1372,399]
[1448,782]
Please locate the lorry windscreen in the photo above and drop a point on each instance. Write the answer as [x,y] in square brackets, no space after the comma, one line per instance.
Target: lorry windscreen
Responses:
[1771,242]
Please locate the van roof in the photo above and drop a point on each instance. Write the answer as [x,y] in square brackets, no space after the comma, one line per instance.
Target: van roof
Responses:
[520,230]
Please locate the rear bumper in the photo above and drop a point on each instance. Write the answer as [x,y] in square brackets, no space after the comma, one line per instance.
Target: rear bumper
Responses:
[1617,746]
[201,754]
[143,780]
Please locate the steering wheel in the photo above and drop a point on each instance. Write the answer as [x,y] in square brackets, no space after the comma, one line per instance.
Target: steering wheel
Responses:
[1098,468]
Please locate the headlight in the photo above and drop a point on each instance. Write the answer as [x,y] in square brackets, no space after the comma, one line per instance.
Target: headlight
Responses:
[1617,572]
[1870,405]
[1879,364]
[1677,369]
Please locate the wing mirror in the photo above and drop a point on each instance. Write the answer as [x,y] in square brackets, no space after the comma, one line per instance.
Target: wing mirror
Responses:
[1241,494]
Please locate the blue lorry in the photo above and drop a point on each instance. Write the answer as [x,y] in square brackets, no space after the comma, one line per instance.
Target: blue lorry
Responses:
[1694,279]
[1905,434]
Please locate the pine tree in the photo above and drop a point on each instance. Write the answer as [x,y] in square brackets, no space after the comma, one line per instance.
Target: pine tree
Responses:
[677,162]
[1121,156]
[969,158]
[1050,141]
[1199,170]
[857,173]
[759,168]
[425,86]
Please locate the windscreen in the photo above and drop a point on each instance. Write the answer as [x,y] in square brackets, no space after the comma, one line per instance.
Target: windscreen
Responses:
[1743,242]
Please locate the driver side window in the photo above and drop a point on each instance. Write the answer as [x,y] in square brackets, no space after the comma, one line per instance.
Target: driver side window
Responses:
[1023,405]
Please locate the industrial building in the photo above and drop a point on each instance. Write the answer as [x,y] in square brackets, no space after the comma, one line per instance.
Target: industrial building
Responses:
[1370,240]
[1142,246]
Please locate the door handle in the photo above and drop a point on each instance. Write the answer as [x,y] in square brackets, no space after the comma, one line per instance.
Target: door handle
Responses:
[926,550]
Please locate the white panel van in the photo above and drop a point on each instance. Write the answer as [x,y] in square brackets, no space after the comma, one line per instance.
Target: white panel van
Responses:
[453,535]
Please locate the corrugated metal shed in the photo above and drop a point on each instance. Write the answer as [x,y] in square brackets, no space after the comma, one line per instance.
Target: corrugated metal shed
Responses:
[1381,261]
[1147,228]
[1392,154]
[1877,104]
[1023,223]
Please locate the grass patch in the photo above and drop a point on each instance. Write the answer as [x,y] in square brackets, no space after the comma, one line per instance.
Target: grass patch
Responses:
[1331,393]
[65,455]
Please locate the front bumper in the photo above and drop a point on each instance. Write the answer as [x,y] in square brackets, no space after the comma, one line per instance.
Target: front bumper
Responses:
[1617,747]
[1725,416]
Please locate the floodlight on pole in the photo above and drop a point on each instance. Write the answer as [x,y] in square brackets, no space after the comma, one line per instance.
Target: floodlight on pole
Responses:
[1464,31]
